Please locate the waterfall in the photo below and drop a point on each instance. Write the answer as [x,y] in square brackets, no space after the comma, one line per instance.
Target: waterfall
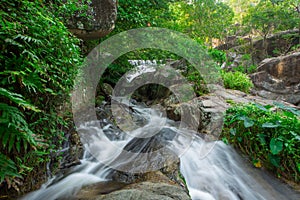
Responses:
[212,170]
[223,174]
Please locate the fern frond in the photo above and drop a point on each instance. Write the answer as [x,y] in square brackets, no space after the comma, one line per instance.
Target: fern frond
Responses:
[8,168]
[13,42]
[32,55]
[10,72]
[14,129]
[28,38]
[18,99]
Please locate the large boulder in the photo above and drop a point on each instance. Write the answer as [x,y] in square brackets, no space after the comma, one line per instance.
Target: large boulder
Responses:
[276,44]
[212,108]
[279,78]
[143,190]
[97,22]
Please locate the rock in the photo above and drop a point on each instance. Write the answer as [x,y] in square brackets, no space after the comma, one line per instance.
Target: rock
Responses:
[154,85]
[157,177]
[151,185]
[93,190]
[212,108]
[107,89]
[277,44]
[237,60]
[179,65]
[97,22]
[234,40]
[279,78]
[151,93]
[147,191]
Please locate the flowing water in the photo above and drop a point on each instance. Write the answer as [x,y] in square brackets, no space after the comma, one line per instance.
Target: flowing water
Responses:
[212,170]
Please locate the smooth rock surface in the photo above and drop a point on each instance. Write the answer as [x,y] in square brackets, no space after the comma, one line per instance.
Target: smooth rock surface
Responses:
[97,22]
[279,78]
[147,191]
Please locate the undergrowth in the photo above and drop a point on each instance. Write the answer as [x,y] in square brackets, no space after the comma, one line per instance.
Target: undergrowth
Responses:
[269,135]
[39,61]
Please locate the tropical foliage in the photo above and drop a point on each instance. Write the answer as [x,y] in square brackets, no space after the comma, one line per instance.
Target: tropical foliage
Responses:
[269,135]
[39,60]
[237,81]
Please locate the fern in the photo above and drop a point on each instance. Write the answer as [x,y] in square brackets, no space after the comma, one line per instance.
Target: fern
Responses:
[18,99]
[12,42]
[14,129]
[27,38]
[8,168]
[39,61]
[33,57]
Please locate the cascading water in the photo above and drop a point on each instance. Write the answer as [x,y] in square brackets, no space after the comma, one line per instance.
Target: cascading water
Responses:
[223,174]
[212,170]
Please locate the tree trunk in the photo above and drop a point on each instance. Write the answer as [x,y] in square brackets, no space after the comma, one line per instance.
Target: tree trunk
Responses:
[265,46]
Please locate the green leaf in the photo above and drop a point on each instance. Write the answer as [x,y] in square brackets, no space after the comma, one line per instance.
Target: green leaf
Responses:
[269,125]
[25,144]
[225,140]
[262,139]
[240,139]
[18,145]
[289,114]
[50,91]
[261,107]
[18,99]
[232,131]
[5,138]
[287,108]
[276,146]
[248,122]
[275,160]
[297,136]
[11,142]
[7,168]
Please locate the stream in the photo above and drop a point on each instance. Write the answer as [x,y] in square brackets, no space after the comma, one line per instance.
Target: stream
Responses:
[212,170]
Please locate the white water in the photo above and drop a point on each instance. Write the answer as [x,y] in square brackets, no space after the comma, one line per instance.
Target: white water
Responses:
[212,170]
[223,174]
[139,70]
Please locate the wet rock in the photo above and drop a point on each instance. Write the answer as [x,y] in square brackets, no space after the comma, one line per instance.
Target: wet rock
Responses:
[172,172]
[157,84]
[97,22]
[151,144]
[151,93]
[212,108]
[93,190]
[107,89]
[279,78]
[71,157]
[147,191]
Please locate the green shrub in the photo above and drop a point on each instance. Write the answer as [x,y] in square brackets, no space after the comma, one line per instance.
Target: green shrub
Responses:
[237,81]
[198,83]
[269,135]
[39,61]
[246,70]
[217,55]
